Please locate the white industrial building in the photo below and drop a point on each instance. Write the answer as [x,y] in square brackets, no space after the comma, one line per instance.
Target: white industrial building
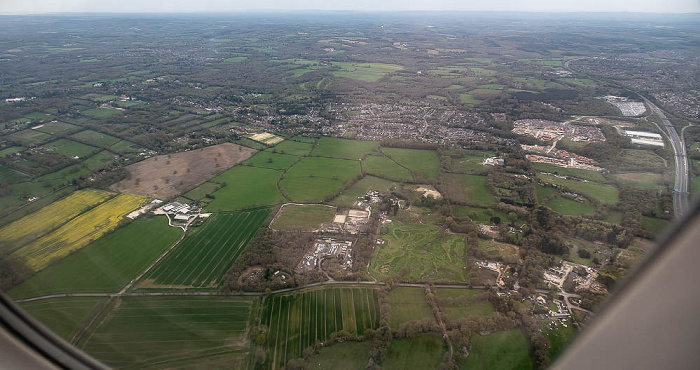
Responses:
[645,138]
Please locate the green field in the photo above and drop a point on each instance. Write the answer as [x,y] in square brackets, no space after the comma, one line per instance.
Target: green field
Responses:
[642,180]
[10,150]
[543,191]
[235,59]
[57,128]
[7,174]
[202,190]
[313,178]
[695,187]
[571,207]
[245,187]
[654,225]
[483,71]
[341,356]
[63,315]
[128,103]
[471,307]
[537,84]
[102,112]
[60,177]
[582,174]
[424,351]
[168,332]
[100,98]
[96,138]
[105,265]
[70,148]
[302,217]
[343,148]
[292,147]
[271,160]
[602,193]
[418,253]
[471,189]
[368,72]
[492,86]
[478,214]
[124,146]
[408,304]
[202,259]
[559,337]
[468,99]
[99,160]
[385,167]
[251,143]
[484,93]
[305,139]
[468,164]
[425,164]
[301,66]
[501,350]
[636,159]
[299,320]
[360,188]
[39,116]
[27,137]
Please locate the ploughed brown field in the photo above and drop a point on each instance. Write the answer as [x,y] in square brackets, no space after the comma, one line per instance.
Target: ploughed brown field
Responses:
[166,176]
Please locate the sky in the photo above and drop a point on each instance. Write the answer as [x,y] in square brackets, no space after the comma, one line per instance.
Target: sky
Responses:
[188,6]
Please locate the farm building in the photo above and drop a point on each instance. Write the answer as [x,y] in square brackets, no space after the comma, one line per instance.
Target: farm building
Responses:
[177,207]
[181,217]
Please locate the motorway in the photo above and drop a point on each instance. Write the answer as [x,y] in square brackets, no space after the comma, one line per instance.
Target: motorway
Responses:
[680,194]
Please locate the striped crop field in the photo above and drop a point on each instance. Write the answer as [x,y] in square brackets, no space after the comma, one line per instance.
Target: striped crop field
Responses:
[300,320]
[35,225]
[63,315]
[78,232]
[202,259]
[173,333]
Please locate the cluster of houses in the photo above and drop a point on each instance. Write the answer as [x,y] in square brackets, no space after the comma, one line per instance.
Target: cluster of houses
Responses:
[550,130]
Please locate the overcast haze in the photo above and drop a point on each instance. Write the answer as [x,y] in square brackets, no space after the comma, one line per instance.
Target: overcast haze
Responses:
[135,6]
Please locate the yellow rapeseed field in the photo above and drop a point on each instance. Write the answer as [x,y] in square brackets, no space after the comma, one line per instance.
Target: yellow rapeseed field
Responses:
[39,223]
[78,232]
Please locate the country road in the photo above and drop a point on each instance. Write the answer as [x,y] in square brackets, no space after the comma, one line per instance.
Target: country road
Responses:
[124,293]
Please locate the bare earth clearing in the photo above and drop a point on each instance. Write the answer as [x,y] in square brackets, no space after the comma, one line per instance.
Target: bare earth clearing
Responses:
[166,176]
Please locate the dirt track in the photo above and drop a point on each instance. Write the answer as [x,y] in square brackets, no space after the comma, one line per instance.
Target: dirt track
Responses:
[166,176]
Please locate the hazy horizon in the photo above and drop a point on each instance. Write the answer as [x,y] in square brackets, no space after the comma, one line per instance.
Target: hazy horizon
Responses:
[207,6]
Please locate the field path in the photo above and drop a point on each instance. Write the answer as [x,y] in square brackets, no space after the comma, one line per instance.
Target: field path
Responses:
[184,233]
[286,342]
[369,310]
[438,316]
